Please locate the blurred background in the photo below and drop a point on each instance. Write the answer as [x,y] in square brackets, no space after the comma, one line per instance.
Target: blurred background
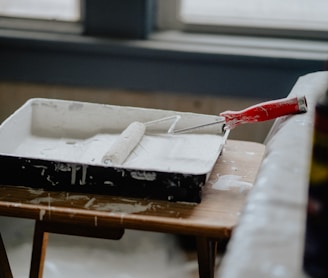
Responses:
[186,55]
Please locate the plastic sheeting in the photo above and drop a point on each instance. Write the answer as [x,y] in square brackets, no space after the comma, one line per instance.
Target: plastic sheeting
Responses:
[269,239]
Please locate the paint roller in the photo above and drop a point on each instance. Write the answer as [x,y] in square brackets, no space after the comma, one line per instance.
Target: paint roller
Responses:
[125,143]
[130,138]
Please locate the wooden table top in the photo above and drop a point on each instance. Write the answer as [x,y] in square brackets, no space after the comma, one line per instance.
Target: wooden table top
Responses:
[214,217]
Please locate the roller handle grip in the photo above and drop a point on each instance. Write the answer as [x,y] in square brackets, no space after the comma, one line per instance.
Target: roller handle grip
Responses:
[265,111]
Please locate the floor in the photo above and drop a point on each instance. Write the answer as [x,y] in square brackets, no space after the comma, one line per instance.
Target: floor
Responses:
[137,254]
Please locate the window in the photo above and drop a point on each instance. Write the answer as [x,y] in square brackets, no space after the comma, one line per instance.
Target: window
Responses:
[106,18]
[292,18]
[65,10]
[93,53]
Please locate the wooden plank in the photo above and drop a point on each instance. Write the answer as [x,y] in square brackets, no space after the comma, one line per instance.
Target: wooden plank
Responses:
[40,241]
[206,251]
[5,270]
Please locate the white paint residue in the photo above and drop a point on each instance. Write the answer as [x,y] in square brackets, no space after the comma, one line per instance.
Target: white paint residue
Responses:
[51,181]
[43,168]
[42,213]
[73,176]
[231,182]
[188,203]
[35,191]
[143,175]
[127,200]
[63,167]
[77,197]
[49,202]
[110,183]
[84,174]
[40,200]
[90,203]
[122,208]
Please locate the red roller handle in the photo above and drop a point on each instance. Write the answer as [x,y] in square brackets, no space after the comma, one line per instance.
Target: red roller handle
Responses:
[265,111]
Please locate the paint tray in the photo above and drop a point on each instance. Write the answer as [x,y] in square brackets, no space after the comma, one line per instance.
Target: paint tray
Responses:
[58,145]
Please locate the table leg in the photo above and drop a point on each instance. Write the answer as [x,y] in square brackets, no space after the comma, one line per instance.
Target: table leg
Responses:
[39,248]
[40,240]
[206,251]
[5,271]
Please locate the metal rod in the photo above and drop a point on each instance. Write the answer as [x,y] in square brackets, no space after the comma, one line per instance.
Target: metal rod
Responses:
[185,130]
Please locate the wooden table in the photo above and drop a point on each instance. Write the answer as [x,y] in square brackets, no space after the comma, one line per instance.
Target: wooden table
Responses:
[108,216]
